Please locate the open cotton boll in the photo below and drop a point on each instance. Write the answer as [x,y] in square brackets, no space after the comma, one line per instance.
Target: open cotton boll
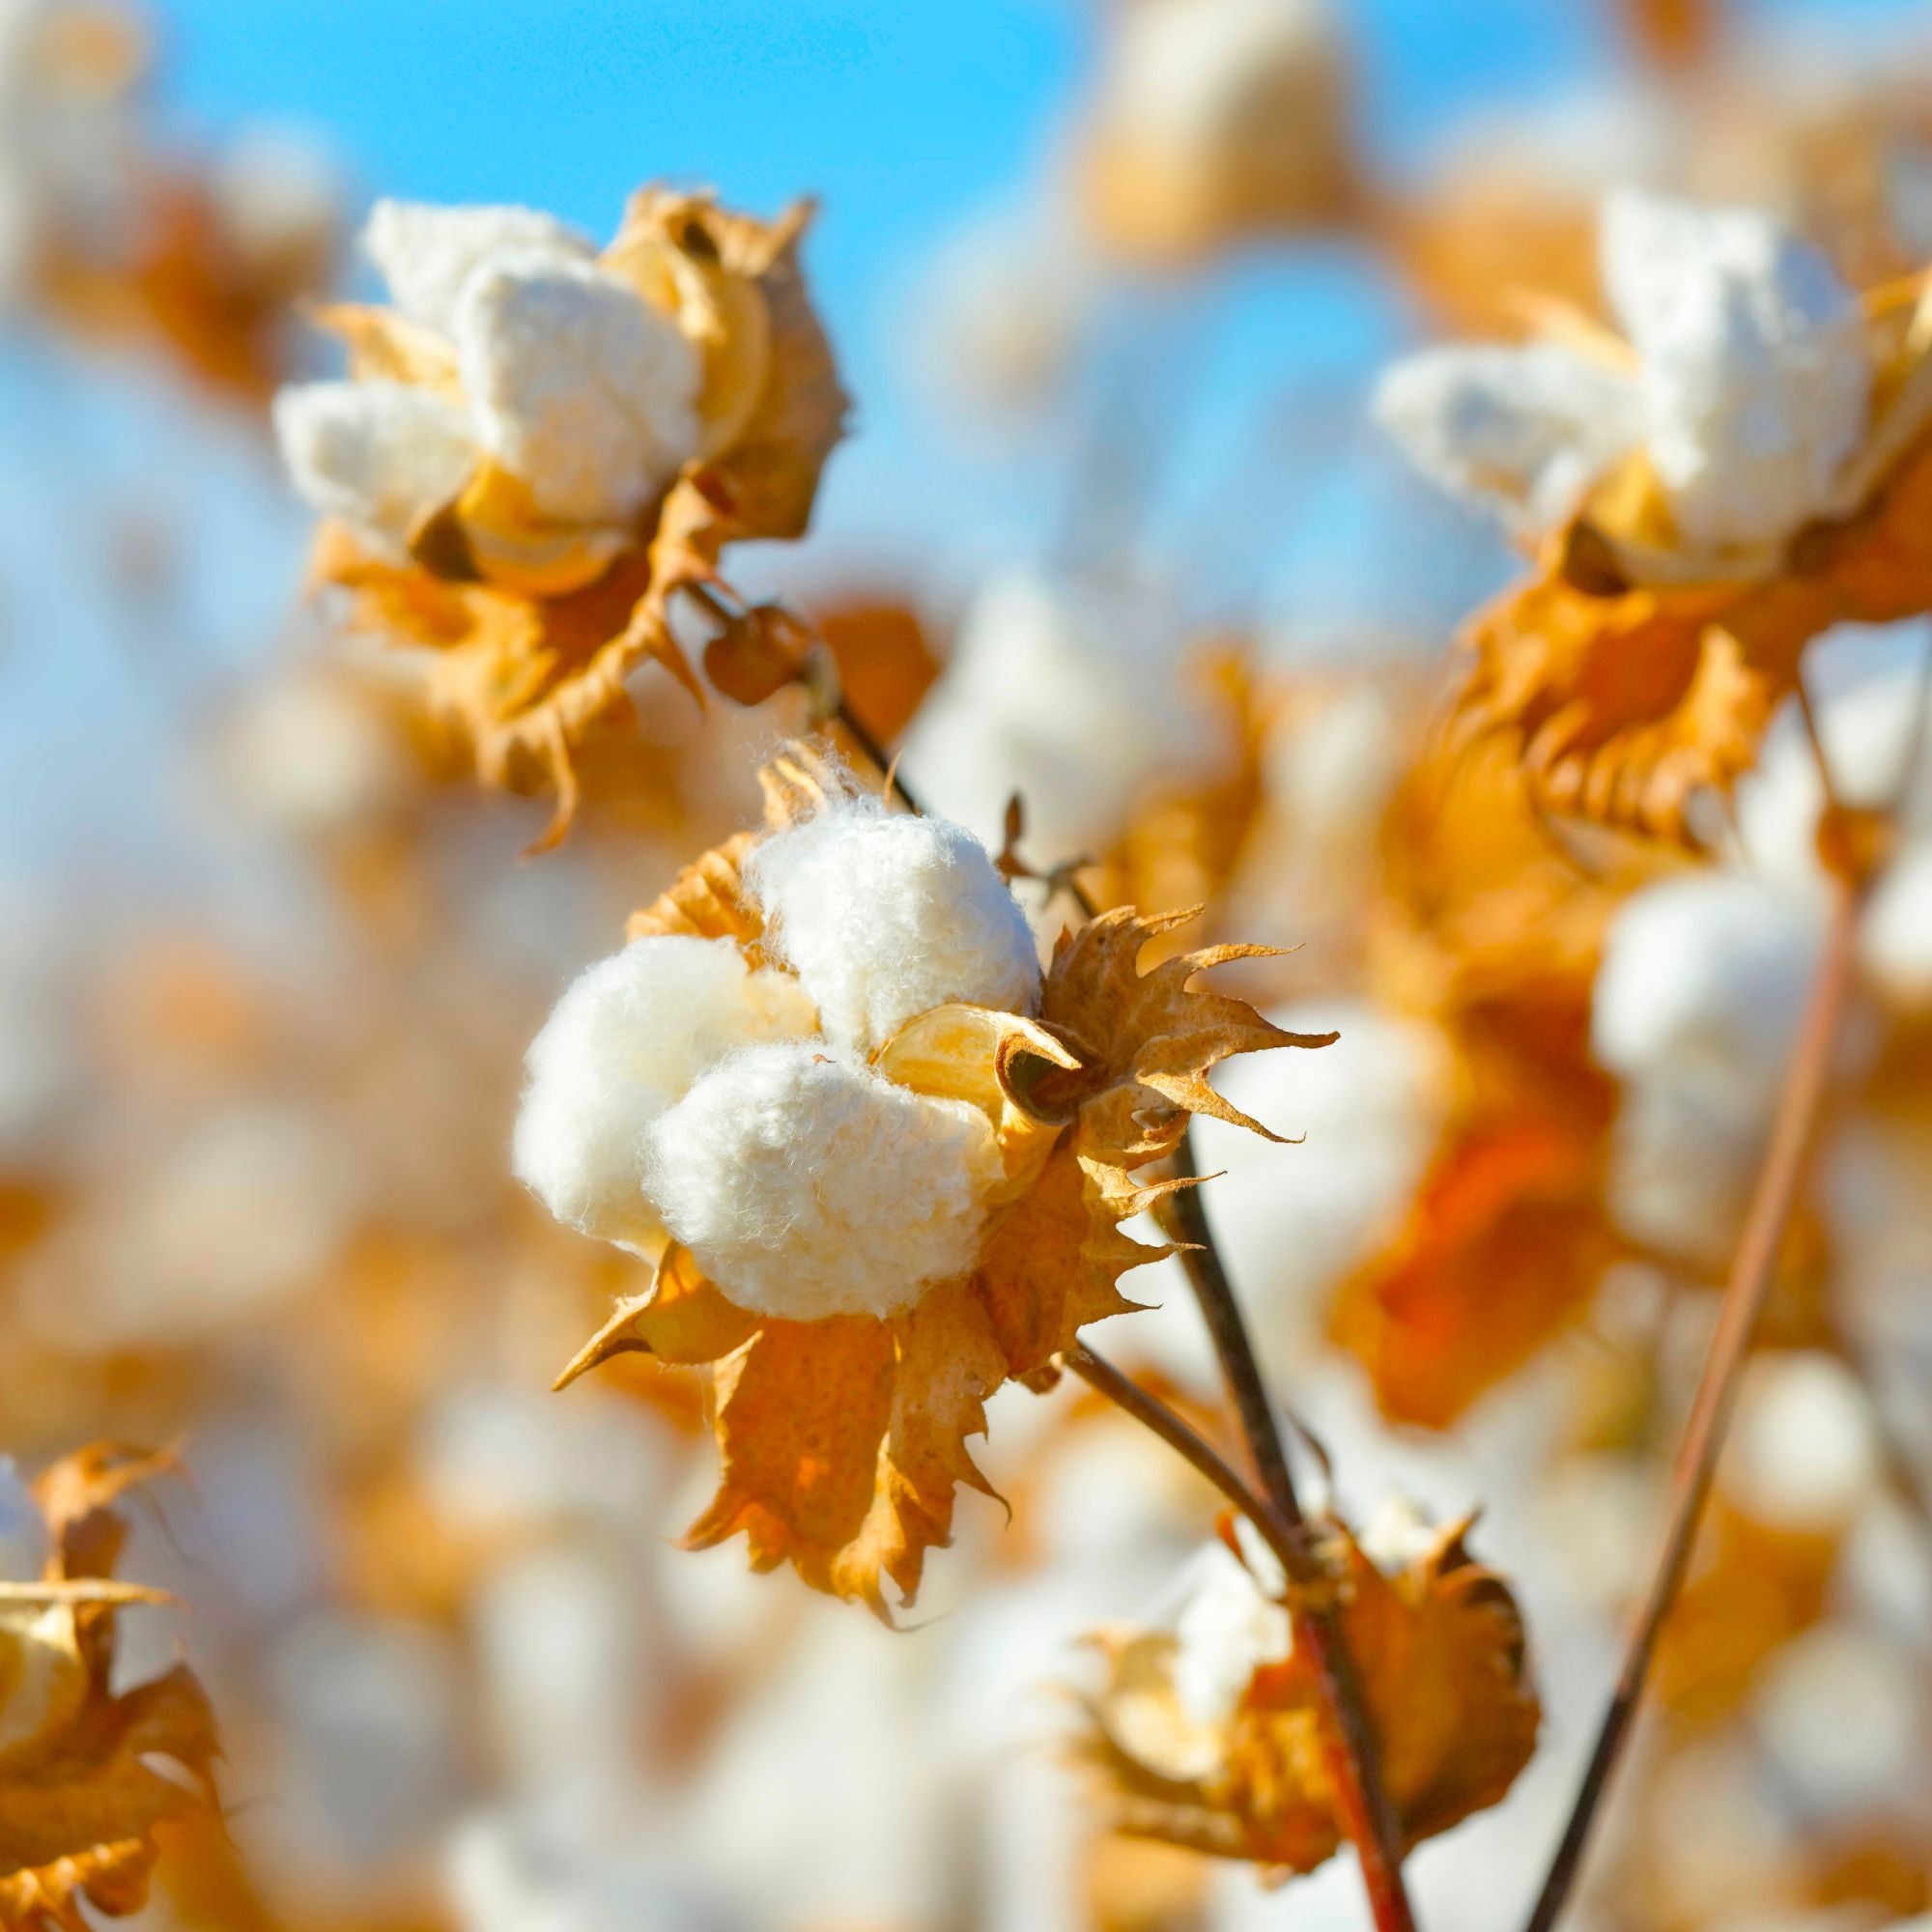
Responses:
[1185,69]
[625,1041]
[380,455]
[1068,688]
[1703,978]
[427,254]
[806,1186]
[1226,1631]
[885,917]
[1756,384]
[580,388]
[1528,429]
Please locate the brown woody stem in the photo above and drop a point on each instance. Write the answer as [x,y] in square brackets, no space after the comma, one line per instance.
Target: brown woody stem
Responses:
[875,754]
[1355,1761]
[1752,1271]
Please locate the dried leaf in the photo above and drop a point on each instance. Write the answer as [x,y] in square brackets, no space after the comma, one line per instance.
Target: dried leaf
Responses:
[86,1774]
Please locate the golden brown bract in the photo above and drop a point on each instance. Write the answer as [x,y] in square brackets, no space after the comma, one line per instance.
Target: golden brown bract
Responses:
[1439,1644]
[536,624]
[843,1441]
[86,1774]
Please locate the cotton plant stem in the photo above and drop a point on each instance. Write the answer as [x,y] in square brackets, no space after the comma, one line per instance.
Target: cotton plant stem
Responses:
[1745,1292]
[1355,1762]
[875,754]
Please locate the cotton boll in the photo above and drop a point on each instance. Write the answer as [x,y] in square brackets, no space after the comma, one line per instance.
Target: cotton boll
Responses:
[427,254]
[1803,1453]
[625,1041]
[1897,941]
[279,200]
[1368,1110]
[885,917]
[1842,1713]
[1528,428]
[580,388]
[379,455]
[1226,1631]
[806,1186]
[1069,690]
[1756,384]
[1704,976]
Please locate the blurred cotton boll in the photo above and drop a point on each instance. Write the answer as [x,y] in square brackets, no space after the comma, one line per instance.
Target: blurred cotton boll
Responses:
[1804,1452]
[1225,1631]
[1844,1714]
[1069,690]
[1296,1220]
[1753,366]
[278,197]
[506,1872]
[313,754]
[428,254]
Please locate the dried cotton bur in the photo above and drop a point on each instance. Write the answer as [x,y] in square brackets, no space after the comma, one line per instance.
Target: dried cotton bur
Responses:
[881,1159]
[1744,467]
[87,1771]
[540,444]
[1210,1733]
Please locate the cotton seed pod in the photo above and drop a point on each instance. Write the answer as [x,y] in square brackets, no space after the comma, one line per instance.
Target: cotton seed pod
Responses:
[1753,471]
[914,1196]
[1440,1649]
[540,444]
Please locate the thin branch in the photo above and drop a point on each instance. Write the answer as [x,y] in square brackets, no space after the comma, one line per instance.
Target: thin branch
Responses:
[1355,1761]
[875,754]
[1745,1292]
[1279,1534]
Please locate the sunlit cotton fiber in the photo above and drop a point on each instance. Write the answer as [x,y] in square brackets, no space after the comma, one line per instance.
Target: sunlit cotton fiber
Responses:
[806,1186]
[625,1041]
[380,455]
[1226,1631]
[579,387]
[885,917]
[1528,428]
[1755,381]
[427,254]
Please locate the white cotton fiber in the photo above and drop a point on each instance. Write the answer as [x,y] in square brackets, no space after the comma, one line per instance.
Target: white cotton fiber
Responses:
[625,1041]
[379,455]
[1704,976]
[1226,1631]
[580,388]
[1803,1453]
[1528,429]
[1756,383]
[806,1186]
[885,917]
[428,254]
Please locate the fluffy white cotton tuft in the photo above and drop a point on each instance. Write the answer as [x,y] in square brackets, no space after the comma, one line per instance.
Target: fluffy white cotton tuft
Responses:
[1705,975]
[427,254]
[579,387]
[1528,429]
[806,1186]
[378,455]
[885,917]
[1226,1631]
[625,1041]
[1756,383]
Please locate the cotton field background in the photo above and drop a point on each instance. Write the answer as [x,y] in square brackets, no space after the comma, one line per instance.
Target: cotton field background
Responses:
[694,701]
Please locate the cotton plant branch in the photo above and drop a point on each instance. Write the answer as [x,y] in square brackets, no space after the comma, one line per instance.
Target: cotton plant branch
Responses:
[1356,1765]
[1754,1269]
